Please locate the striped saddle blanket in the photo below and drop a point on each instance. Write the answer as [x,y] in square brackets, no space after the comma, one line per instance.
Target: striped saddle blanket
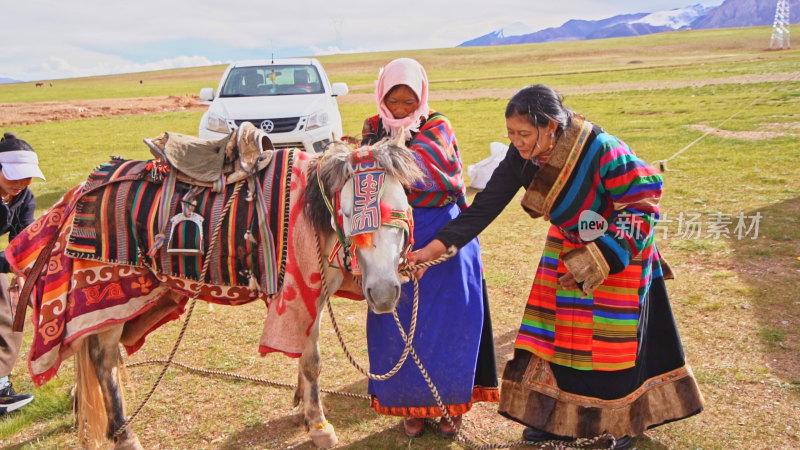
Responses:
[127,210]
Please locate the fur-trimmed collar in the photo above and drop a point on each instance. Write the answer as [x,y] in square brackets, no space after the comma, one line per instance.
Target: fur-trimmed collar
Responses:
[551,177]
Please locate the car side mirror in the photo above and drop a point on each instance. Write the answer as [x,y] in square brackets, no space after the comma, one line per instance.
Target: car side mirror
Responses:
[207,94]
[339,89]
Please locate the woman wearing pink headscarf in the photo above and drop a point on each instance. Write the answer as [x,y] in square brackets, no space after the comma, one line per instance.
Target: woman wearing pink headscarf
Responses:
[454,335]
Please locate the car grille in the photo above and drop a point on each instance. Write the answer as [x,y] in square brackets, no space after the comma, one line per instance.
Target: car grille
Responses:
[288,145]
[282,125]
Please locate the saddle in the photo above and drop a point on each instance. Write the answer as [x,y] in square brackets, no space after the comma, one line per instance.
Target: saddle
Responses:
[204,162]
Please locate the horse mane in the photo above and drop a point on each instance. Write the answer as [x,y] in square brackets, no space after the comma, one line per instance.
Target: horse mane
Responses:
[334,169]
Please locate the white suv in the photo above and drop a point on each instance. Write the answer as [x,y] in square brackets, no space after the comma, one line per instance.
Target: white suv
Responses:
[291,99]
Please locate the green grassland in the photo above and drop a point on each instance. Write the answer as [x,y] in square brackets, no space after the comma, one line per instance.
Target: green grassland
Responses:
[735,299]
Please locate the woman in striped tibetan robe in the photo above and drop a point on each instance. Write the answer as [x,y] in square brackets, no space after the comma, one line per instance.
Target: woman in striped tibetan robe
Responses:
[453,337]
[598,350]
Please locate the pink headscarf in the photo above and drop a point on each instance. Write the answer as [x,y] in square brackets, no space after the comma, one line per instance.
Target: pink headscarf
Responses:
[411,73]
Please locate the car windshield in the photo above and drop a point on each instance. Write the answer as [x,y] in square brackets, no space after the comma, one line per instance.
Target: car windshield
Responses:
[255,81]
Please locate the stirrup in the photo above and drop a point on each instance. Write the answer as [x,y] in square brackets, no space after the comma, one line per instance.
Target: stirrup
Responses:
[192,219]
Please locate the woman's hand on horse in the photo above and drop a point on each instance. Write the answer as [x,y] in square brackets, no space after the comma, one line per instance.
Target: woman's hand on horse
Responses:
[430,252]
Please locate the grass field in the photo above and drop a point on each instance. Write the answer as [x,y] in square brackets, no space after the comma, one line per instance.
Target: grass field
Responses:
[731,230]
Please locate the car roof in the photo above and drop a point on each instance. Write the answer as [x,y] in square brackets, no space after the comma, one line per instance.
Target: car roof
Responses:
[276,62]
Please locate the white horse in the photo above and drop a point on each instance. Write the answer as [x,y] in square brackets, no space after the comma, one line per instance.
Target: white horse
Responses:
[330,179]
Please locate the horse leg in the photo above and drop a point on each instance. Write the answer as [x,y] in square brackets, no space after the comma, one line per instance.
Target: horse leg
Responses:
[105,356]
[322,432]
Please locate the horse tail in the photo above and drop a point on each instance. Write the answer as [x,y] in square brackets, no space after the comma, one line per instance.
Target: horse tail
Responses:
[90,408]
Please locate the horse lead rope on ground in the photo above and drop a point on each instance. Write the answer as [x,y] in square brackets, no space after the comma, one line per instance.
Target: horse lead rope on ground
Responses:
[241,377]
[193,302]
[460,437]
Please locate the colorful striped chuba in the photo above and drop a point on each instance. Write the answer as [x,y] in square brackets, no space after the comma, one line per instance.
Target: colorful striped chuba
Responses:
[599,331]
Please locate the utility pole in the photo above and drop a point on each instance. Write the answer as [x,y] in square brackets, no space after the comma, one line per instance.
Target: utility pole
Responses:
[780,28]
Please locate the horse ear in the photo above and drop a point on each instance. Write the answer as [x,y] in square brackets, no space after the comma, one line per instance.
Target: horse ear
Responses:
[401,137]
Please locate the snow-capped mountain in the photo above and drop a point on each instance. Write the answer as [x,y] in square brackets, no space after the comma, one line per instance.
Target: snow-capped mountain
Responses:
[497,37]
[572,30]
[677,18]
[515,29]
[745,13]
[731,13]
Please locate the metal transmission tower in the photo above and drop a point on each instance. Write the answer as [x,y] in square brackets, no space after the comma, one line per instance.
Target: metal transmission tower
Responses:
[780,28]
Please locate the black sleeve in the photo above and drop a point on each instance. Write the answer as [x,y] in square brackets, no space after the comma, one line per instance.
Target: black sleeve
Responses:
[614,264]
[23,214]
[20,215]
[5,219]
[487,205]
[5,226]
[5,267]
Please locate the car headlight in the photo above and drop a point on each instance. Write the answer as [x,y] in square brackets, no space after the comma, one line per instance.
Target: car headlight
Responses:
[217,123]
[317,120]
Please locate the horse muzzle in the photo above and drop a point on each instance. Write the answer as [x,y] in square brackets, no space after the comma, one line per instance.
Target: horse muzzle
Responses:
[382,294]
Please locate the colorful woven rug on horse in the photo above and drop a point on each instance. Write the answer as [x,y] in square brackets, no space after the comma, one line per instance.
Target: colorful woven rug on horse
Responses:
[75,298]
[124,221]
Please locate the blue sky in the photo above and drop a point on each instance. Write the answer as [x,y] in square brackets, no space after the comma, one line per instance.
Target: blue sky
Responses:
[49,39]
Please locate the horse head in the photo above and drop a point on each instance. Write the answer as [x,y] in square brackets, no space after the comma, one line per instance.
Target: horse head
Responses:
[371,216]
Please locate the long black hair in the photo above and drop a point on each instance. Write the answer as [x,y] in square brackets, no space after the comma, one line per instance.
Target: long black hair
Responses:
[540,104]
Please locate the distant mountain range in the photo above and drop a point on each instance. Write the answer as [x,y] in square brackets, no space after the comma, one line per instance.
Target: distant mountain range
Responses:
[730,14]
[8,80]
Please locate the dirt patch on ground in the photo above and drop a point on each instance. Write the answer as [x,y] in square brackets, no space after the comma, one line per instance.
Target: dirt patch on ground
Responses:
[743,135]
[15,114]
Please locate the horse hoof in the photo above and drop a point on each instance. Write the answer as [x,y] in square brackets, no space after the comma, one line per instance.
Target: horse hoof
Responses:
[323,435]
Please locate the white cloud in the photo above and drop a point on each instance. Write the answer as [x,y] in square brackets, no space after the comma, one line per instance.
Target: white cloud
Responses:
[69,62]
[170,63]
[333,50]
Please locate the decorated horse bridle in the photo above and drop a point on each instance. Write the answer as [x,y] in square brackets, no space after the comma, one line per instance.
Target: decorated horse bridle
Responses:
[369,213]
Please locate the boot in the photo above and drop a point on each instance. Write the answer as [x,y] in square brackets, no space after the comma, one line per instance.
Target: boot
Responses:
[532,434]
[446,431]
[414,426]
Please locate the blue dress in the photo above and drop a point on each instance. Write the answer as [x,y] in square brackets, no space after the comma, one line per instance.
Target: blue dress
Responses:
[448,334]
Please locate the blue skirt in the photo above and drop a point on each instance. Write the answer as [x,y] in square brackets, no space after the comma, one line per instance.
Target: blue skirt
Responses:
[448,334]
